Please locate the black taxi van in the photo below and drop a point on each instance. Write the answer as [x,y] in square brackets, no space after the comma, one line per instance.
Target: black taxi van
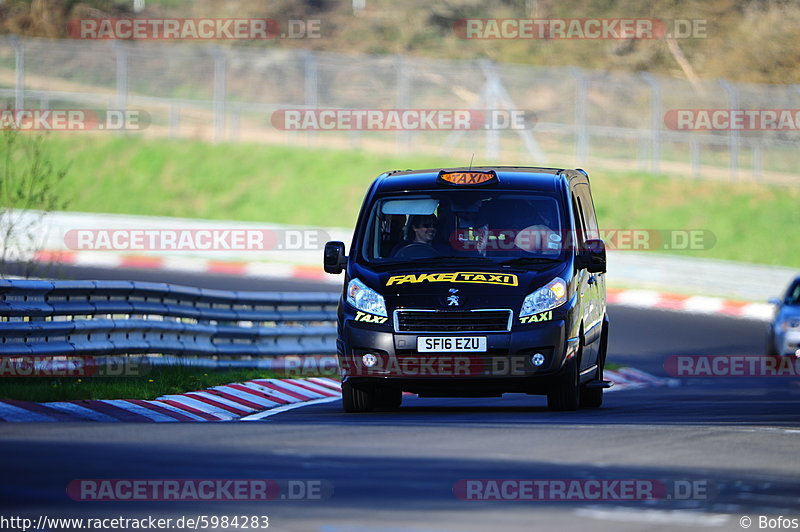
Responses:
[473,282]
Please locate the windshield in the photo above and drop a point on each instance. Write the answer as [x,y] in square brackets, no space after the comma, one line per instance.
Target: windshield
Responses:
[793,295]
[499,226]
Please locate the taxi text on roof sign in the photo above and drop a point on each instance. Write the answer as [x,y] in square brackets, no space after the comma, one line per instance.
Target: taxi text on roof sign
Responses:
[468,178]
[455,277]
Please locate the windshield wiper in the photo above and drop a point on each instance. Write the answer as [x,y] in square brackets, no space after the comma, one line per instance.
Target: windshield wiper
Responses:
[454,258]
[428,260]
[522,261]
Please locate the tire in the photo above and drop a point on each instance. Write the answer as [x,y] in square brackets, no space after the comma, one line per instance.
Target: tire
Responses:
[357,398]
[388,398]
[593,397]
[564,395]
[770,349]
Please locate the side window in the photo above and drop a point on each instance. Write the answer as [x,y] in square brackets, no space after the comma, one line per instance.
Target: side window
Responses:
[587,209]
[793,295]
[580,228]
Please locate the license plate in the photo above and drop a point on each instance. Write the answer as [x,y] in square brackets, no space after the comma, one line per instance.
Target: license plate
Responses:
[457,344]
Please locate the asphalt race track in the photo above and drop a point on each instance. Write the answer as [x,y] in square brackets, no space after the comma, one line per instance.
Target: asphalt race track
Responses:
[737,439]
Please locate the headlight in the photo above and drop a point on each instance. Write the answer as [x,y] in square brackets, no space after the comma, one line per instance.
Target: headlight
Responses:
[364,298]
[791,325]
[547,297]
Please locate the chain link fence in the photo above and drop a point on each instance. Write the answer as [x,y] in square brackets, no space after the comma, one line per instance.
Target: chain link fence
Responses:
[583,118]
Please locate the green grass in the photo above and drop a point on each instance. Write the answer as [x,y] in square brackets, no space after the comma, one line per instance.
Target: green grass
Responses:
[160,380]
[305,186]
[750,223]
[247,182]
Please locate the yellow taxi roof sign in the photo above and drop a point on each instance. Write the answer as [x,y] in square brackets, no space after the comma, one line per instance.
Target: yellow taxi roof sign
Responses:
[468,178]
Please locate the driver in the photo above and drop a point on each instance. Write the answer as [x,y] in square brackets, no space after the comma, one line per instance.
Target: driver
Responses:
[421,230]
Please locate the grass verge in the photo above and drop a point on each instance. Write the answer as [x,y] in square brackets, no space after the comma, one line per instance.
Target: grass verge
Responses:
[160,380]
[317,186]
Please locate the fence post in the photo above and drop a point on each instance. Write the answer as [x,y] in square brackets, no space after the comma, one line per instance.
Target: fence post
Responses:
[236,124]
[402,100]
[311,83]
[359,6]
[694,148]
[121,53]
[757,161]
[581,126]
[733,134]
[174,120]
[491,100]
[655,122]
[220,71]
[19,58]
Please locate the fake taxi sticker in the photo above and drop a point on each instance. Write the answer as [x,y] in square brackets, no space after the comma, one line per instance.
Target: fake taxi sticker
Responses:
[455,277]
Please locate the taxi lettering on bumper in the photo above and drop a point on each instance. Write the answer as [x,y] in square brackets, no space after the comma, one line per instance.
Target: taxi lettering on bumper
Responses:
[370,318]
[537,318]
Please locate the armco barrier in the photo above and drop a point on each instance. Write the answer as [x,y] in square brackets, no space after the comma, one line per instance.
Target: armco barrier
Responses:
[127,317]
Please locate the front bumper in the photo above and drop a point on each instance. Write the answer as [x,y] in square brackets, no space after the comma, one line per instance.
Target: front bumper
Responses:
[789,342]
[506,366]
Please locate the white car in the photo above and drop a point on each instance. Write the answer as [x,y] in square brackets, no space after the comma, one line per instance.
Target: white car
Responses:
[783,336]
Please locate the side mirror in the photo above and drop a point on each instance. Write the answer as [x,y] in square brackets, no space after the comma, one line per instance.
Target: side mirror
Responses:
[775,301]
[334,260]
[595,253]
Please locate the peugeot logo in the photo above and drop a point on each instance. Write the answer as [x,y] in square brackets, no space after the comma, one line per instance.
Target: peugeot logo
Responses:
[452,299]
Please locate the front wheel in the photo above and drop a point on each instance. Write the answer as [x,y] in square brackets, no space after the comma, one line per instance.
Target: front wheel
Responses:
[388,398]
[591,398]
[357,398]
[771,350]
[565,393]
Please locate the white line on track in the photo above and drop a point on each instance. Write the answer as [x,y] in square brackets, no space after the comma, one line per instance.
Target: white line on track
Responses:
[284,408]
[661,517]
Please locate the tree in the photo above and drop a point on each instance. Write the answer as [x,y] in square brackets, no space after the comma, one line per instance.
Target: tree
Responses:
[29,189]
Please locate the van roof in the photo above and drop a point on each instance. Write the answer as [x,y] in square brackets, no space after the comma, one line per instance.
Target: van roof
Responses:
[509,177]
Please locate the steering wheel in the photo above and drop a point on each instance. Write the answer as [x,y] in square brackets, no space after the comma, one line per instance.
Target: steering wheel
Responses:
[416,250]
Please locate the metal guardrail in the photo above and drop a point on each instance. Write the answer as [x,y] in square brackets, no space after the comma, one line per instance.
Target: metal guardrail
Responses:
[128,317]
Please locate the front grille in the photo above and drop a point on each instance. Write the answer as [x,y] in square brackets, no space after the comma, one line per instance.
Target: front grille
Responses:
[441,321]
